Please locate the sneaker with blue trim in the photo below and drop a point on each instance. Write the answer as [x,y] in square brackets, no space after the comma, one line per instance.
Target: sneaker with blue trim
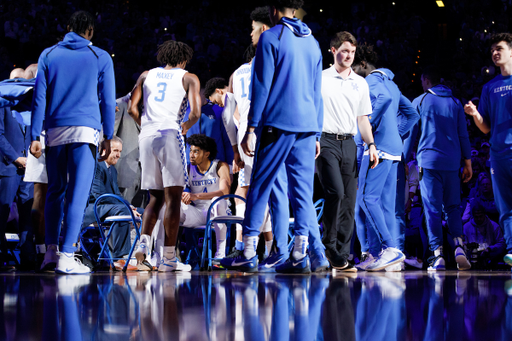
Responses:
[461,259]
[388,256]
[172,264]
[271,262]
[293,266]
[240,263]
[319,262]
[508,259]
[142,256]
[436,263]
[69,265]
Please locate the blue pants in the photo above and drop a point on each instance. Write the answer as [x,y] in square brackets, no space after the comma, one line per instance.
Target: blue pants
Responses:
[76,160]
[441,189]
[376,195]
[296,151]
[400,207]
[14,189]
[501,171]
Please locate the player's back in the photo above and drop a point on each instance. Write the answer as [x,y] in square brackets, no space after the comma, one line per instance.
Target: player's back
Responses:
[204,183]
[165,101]
[241,83]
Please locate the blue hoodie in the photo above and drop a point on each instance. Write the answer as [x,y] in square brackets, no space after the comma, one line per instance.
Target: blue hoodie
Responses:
[444,136]
[387,103]
[286,79]
[75,86]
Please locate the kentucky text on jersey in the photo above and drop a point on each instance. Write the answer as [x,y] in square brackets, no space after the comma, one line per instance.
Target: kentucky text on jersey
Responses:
[204,182]
[502,88]
[164,75]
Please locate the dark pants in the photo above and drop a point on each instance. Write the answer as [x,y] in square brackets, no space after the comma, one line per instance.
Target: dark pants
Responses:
[14,189]
[337,171]
[119,242]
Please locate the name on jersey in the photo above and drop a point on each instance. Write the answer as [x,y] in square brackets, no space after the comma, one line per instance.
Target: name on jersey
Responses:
[204,182]
[503,88]
[243,71]
[164,75]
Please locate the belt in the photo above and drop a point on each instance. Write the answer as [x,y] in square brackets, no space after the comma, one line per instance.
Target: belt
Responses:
[339,137]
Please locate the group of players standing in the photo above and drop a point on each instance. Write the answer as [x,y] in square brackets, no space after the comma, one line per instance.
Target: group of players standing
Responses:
[291,112]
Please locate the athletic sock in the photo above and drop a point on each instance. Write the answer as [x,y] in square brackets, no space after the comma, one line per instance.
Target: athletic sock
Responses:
[251,243]
[169,252]
[221,248]
[300,247]
[40,248]
[438,251]
[145,238]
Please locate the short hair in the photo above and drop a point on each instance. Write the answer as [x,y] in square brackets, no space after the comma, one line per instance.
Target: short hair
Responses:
[433,74]
[173,53]
[282,4]
[205,143]
[365,53]
[249,53]
[262,15]
[506,37]
[17,73]
[339,38]
[212,84]
[80,22]
[116,139]
[31,71]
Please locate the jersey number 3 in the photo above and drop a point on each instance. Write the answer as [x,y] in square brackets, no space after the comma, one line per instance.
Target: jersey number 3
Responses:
[161,86]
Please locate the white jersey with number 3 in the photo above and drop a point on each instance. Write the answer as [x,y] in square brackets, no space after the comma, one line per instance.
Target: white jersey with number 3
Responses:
[241,83]
[165,101]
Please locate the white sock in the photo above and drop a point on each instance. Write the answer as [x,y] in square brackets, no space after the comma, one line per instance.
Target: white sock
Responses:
[300,247]
[458,241]
[268,246]
[221,248]
[169,252]
[251,243]
[438,251]
[145,238]
[240,210]
[40,249]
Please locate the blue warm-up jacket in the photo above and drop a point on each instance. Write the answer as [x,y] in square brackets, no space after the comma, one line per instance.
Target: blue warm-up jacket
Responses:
[75,86]
[292,102]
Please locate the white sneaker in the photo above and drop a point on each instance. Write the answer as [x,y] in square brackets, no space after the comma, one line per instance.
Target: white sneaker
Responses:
[396,267]
[508,259]
[173,264]
[414,262]
[387,257]
[70,265]
[437,264]
[142,256]
[366,262]
[51,258]
[461,259]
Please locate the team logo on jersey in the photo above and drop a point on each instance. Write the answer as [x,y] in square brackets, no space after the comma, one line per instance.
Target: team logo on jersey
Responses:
[355,87]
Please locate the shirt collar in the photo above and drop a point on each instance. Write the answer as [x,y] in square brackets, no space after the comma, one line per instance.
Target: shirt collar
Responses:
[334,73]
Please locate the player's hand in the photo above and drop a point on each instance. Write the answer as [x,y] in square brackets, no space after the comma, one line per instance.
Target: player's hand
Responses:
[185,126]
[374,156]
[470,109]
[238,163]
[467,171]
[104,150]
[21,162]
[135,212]
[185,198]
[317,152]
[246,142]
[36,149]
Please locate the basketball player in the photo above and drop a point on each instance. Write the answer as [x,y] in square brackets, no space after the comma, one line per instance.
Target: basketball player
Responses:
[162,150]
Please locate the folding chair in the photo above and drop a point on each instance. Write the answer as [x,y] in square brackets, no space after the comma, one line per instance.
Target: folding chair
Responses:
[112,222]
[223,219]
[319,208]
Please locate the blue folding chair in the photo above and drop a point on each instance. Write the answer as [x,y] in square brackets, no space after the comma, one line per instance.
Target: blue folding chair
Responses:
[319,207]
[112,222]
[224,219]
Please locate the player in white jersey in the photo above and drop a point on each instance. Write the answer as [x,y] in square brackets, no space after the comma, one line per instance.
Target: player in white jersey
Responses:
[162,150]
[209,179]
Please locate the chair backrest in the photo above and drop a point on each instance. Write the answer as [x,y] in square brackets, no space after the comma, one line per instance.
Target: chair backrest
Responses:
[227,196]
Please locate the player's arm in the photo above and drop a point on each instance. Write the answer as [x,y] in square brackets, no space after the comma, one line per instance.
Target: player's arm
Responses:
[365,128]
[410,114]
[38,107]
[230,85]
[192,86]
[136,98]
[224,184]
[471,110]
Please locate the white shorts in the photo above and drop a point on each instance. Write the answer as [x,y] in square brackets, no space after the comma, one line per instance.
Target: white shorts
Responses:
[194,216]
[36,168]
[244,177]
[163,161]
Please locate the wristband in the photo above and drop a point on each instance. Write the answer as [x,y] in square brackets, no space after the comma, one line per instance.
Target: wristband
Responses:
[250,132]
[372,143]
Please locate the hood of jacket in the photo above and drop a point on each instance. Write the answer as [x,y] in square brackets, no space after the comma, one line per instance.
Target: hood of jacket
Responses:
[74,41]
[440,90]
[297,26]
